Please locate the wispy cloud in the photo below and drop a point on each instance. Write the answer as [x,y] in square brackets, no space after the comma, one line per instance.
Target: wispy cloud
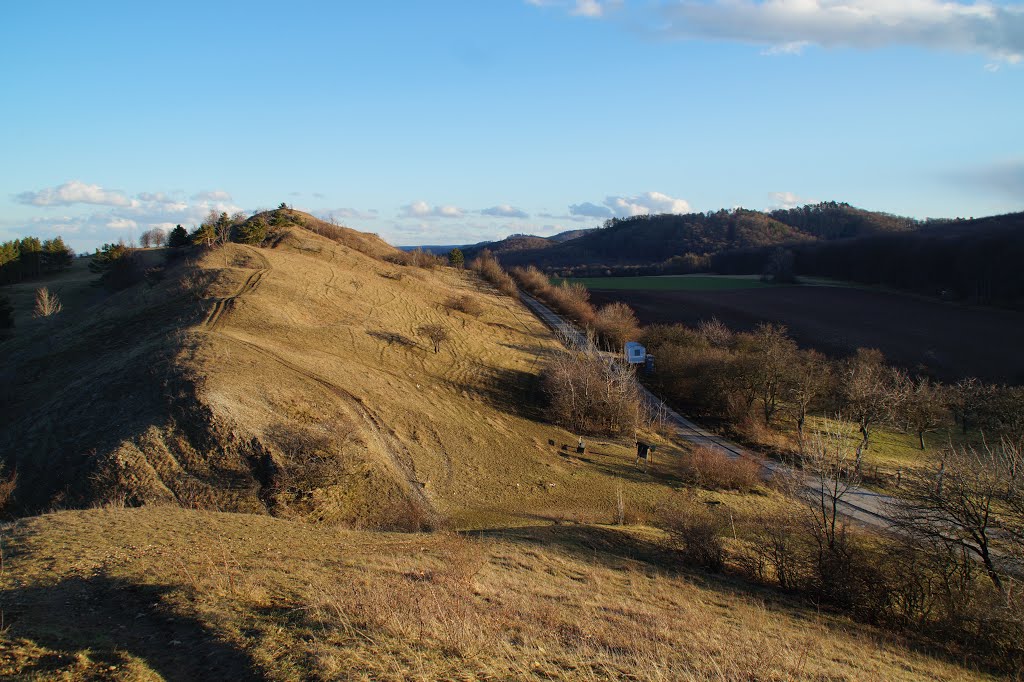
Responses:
[421,209]
[345,214]
[1004,177]
[505,211]
[590,210]
[787,26]
[212,195]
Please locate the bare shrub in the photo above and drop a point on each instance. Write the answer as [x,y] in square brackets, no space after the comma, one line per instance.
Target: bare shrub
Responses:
[195,281]
[696,529]
[711,468]
[530,278]
[589,394]
[47,304]
[407,516]
[780,552]
[465,304]
[715,333]
[616,323]
[8,484]
[488,267]
[424,259]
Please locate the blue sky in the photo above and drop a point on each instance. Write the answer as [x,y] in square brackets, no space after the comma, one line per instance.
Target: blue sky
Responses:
[454,122]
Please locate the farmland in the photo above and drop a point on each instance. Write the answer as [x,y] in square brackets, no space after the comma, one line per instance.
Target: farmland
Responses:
[670,283]
[948,340]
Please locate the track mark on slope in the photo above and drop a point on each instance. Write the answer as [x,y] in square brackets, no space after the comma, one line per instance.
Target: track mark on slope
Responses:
[214,319]
[388,443]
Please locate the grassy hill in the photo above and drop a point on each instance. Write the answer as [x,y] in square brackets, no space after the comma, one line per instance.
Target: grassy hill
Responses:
[293,380]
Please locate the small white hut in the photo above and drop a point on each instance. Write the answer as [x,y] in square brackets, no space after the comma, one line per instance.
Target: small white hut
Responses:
[636,354]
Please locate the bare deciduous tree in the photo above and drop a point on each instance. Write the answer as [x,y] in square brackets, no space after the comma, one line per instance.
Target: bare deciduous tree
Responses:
[812,381]
[924,408]
[435,333]
[969,499]
[589,394]
[772,360]
[47,304]
[867,394]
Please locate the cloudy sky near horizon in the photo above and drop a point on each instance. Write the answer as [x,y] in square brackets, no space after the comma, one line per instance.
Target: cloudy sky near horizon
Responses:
[463,120]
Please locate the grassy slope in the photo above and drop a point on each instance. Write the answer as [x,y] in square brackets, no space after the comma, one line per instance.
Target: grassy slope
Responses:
[166,593]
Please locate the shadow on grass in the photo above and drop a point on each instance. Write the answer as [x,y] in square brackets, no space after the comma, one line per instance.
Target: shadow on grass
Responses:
[392,338]
[512,391]
[110,617]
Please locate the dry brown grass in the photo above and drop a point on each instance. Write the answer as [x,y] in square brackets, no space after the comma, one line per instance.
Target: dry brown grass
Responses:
[220,596]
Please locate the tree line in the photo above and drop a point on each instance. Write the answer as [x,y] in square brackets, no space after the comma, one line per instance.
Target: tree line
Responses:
[736,377]
[30,257]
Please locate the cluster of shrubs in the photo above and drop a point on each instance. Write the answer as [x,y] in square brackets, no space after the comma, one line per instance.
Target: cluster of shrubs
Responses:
[754,380]
[417,258]
[613,324]
[586,393]
[488,268]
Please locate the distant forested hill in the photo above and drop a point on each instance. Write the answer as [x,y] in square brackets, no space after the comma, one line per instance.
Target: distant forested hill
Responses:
[977,261]
[693,238]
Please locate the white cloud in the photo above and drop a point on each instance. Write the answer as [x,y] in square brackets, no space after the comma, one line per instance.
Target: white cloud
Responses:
[156,197]
[74,192]
[646,203]
[787,200]
[421,209]
[212,195]
[122,224]
[588,8]
[505,211]
[789,25]
[794,48]
[345,214]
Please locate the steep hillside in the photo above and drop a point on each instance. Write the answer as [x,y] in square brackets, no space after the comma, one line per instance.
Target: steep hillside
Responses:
[294,380]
